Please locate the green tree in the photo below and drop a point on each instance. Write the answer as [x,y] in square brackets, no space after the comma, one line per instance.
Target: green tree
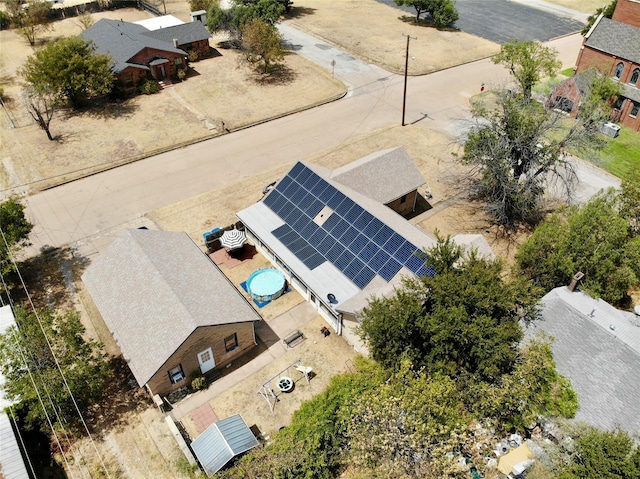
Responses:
[443,12]
[196,5]
[461,321]
[517,150]
[234,19]
[32,20]
[71,69]
[405,427]
[27,359]
[534,388]
[262,44]
[589,453]
[606,11]
[595,239]
[15,231]
[528,61]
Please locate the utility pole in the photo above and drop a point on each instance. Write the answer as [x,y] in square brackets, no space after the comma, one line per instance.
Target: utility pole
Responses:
[406,68]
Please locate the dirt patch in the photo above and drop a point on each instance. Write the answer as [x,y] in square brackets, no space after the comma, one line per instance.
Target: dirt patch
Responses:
[584,6]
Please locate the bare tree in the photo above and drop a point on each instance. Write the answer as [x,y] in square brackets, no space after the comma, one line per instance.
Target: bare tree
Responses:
[30,19]
[41,106]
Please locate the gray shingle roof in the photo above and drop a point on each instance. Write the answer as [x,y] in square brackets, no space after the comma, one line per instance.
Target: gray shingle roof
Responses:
[122,40]
[153,289]
[598,348]
[615,38]
[383,176]
[185,33]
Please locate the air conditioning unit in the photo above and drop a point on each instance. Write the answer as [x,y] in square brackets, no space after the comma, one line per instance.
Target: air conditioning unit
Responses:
[610,129]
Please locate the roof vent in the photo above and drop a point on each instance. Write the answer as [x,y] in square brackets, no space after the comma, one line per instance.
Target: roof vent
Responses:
[332,299]
[175,42]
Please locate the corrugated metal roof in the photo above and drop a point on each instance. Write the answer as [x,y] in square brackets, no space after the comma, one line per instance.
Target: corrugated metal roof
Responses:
[221,442]
[153,289]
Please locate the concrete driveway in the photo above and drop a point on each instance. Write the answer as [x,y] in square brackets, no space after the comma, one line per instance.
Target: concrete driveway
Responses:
[502,20]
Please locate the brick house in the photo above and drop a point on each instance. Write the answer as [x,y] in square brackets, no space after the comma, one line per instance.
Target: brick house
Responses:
[612,46]
[171,310]
[139,53]
[567,95]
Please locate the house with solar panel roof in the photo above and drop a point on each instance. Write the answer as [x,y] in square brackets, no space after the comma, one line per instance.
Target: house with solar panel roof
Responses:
[339,235]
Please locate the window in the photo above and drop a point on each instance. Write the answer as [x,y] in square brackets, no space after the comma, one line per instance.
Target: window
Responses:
[179,61]
[634,109]
[403,199]
[231,342]
[176,374]
[634,76]
[619,70]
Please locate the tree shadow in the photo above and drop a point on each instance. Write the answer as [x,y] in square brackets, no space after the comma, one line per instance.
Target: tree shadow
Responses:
[299,12]
[105,109]
[279,74]
[426,23]
[122,396]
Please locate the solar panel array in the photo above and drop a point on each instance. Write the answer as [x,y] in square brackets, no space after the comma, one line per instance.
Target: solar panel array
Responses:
[351,238]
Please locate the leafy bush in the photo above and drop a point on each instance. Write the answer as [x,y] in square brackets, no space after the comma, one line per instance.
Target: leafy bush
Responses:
[149,87]
[181,74]
[199,383]
[192,56]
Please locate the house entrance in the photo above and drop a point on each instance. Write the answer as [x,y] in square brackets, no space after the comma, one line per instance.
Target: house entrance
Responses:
[205,358]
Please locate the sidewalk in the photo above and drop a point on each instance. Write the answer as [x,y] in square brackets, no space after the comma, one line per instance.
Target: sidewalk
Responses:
[281,326]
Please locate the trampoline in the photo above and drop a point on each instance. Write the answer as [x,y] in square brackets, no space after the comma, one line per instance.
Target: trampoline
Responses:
[266,284]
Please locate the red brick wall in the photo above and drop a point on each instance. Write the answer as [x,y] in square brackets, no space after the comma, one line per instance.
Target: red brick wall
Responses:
[624,118]
[201,339]
[627,11]
[604,63]
[405,207]
[567,89]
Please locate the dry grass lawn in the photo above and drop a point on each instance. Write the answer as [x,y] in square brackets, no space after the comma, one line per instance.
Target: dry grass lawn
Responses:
[374,32]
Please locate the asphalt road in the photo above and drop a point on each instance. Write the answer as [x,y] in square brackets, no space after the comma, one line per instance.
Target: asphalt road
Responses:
[88,209]
[502,20]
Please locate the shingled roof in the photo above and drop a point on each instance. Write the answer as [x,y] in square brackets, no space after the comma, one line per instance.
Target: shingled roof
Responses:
[153,289]
[615,38]
[598,348]
[123,40]
[383,176]
[183,34]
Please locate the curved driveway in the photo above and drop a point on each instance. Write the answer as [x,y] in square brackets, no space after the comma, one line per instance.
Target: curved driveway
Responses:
[94,206]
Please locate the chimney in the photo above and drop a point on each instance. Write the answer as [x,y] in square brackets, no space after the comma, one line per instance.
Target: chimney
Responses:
[175,42]
[574,282]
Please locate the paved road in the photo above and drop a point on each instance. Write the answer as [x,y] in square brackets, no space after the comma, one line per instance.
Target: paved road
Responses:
[502,20]
[87,208]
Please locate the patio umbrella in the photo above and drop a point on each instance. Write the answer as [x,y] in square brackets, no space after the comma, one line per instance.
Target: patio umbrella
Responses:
[233,239]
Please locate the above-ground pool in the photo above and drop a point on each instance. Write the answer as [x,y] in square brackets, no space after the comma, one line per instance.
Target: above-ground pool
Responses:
[266,284]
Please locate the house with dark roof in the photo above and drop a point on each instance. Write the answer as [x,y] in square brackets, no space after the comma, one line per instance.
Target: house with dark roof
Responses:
[612,46]
[339,236]
[140,53]
[171,310]
[598,347]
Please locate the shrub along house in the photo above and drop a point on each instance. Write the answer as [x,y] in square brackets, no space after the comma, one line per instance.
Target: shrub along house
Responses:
[171,310]
[139,53]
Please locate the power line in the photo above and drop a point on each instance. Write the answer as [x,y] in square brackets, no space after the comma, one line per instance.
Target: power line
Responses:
[53,354]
